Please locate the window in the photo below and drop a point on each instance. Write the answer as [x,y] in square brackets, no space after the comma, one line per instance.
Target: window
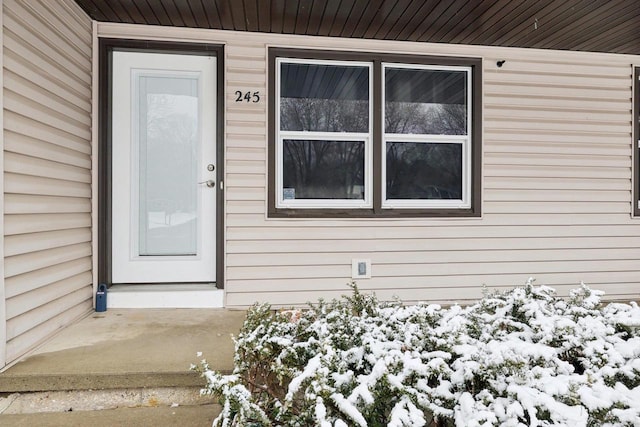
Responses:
[324,134]
[426,136]
[355,134]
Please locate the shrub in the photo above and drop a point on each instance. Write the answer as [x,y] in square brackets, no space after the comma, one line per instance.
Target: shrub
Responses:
[520,358]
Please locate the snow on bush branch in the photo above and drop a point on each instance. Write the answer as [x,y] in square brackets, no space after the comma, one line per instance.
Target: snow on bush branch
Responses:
[521,358]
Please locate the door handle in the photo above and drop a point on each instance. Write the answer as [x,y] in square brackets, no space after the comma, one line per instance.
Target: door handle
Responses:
[209,183]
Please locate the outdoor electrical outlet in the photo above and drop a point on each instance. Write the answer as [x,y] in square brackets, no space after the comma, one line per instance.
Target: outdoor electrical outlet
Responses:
[360,268]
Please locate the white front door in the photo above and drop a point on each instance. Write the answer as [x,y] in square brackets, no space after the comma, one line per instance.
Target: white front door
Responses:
[163,168]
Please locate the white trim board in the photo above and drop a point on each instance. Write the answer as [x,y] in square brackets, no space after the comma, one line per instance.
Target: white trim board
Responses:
[165,296]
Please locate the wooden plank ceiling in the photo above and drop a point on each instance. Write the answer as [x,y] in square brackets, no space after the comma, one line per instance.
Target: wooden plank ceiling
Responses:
[585,25]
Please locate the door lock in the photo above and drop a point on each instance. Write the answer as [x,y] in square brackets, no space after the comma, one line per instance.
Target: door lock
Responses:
[209,183]
[211,167]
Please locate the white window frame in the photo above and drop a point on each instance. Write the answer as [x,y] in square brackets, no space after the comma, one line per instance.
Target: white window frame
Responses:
[464,140]
[366,138]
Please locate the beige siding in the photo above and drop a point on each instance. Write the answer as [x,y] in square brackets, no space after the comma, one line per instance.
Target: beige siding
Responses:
[557,159]
[47,177]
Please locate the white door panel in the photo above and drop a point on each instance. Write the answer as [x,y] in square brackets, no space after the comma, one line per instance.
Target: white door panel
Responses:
[163,147]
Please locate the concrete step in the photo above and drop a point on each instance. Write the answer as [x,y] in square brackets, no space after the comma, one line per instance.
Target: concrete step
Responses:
[120,359]
[20,383]
[98,400]
[183,416]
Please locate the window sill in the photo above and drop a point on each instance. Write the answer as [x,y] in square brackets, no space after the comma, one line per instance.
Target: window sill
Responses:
[374,214]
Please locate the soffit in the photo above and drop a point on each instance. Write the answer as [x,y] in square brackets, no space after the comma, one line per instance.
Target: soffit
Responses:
[581,25]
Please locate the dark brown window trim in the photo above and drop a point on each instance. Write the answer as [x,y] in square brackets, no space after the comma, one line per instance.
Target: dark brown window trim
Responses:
[106,47]
[377,211]
[636,145]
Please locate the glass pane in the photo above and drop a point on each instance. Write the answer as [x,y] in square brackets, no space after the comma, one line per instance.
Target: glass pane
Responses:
[428,102]
[323,169]
[424,171]
[324,98]
[168,153]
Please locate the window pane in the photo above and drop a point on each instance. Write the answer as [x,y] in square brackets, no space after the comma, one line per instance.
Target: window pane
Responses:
[424,171]
[324,98]
[323,169]
[168,159]
[431,102]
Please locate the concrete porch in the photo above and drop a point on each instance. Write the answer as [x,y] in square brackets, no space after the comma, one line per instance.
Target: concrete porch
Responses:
[121,363]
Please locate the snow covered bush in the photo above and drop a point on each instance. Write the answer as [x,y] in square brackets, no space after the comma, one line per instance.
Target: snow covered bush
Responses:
[521,358]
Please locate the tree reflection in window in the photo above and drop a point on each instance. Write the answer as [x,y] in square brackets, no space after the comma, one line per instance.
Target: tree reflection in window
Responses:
[418,170]
[425,119]
[325,132]
[328,100]
[324,115]
[324,98]
[167,119]
[426,104]
[323,169]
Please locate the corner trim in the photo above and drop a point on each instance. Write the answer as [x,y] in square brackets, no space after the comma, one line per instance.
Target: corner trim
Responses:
[3,307]
[95,154]
[635,177]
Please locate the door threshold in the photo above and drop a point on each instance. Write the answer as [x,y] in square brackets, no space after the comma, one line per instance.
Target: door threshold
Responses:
[166,295]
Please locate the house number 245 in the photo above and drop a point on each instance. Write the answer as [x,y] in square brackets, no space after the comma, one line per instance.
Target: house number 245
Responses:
[247,96]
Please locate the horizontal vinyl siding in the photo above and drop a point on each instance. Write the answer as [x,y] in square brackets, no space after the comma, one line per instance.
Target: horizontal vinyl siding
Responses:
[556,186]
[556,192]
[47,176]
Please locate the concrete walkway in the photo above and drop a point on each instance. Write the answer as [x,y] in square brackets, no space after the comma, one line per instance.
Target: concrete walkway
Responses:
[122,358]
[184,416]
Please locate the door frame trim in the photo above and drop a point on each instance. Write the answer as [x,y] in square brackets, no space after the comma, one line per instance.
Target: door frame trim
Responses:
[106,47]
